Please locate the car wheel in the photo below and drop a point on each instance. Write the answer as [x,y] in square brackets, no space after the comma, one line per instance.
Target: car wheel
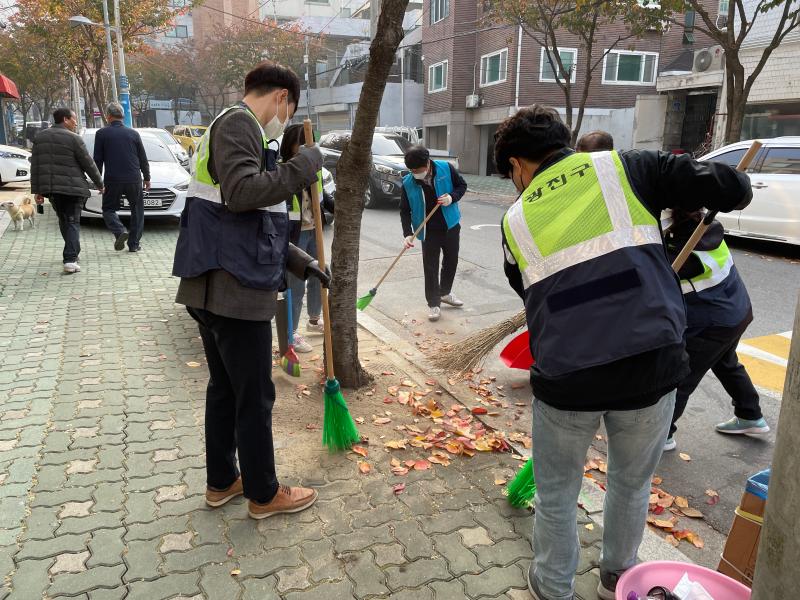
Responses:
[371,198]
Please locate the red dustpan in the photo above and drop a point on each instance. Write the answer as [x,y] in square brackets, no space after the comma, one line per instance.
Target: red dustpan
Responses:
[517,354]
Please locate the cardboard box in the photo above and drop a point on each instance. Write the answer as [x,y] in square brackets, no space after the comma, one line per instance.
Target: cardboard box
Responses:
[741,549]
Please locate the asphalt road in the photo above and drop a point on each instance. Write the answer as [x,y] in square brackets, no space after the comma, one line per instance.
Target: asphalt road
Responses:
[772,274]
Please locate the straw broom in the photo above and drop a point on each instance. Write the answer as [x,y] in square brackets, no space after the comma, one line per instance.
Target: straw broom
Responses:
[463,356]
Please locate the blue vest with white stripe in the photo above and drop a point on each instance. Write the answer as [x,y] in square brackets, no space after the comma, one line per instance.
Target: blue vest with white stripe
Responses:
[442,184]
[253,246]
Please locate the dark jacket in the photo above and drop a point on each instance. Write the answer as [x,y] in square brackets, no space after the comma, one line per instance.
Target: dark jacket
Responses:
[437,222]
[120,150]
[60,163]
[236,160]
[660,180]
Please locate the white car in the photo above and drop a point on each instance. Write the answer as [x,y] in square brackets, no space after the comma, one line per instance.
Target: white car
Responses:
[173,144]
[774,213]
[15,164]
[168,181]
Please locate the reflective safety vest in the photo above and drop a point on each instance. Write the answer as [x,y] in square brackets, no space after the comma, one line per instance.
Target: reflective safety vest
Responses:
[717,297]
[598,285]
[442,184]
[253,246]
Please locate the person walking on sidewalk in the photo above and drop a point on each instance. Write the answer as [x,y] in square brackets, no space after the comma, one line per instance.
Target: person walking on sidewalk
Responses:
[232,254]
[119,154]
[718,312]
[583,249]
[302,235]
[433,182]
[59,165]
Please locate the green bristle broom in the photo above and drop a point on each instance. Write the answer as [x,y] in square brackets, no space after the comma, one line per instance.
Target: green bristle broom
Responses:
[364,301]
[522,488]
[338,429]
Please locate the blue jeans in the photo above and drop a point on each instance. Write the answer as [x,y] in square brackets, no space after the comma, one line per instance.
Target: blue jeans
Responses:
[561,440]
[307,243]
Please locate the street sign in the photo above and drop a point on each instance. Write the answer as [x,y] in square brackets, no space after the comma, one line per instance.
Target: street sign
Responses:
[160,104]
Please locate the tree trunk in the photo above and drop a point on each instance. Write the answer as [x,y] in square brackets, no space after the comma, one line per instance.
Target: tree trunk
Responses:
[779,551]
[352,177]
[735,102]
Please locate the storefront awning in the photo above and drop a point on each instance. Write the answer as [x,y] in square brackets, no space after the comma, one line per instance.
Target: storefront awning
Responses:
[8,88]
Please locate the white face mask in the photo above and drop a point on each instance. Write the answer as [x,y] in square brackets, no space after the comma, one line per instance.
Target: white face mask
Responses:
[420,176]
[274,129]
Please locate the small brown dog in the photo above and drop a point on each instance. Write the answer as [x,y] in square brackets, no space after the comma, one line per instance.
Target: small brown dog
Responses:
[19,214]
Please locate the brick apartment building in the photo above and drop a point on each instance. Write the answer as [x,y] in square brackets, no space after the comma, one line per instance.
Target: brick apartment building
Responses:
[464,57]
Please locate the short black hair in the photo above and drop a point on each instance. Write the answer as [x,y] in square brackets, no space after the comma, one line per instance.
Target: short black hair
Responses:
[532,133]
[294,134]
[595,141]
[417,157]
[62,113]
[267,76]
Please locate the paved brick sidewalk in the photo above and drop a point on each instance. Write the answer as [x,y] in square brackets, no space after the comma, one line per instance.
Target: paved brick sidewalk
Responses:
[491,185]
[102,468]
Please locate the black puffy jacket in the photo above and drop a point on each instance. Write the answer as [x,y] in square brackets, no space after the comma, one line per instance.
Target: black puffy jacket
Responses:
[60,163]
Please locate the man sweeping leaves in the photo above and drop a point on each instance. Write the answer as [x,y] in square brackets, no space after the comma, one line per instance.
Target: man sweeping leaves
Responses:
[432,183]
[606,319]
[232,255]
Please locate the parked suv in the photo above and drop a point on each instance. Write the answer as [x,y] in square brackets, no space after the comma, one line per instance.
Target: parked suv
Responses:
[774,213]
[388,168]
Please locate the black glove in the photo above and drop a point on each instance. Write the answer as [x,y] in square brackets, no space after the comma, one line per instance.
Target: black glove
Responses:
[313,270]
[314,156]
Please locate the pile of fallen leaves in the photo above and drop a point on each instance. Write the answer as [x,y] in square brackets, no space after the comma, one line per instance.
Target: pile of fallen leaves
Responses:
[442,432]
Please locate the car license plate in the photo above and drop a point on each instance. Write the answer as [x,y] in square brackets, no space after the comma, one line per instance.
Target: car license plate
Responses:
[148,202]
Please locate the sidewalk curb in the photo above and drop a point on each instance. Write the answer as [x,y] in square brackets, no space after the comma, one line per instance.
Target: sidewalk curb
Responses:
[591,496]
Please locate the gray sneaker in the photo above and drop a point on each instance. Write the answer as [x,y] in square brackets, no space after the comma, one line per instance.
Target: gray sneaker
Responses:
[119,243]
[301,344]
[452,300]
[434,313]
[607,588]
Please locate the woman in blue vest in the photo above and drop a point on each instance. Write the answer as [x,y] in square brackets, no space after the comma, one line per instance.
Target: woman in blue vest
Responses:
[584,251]
[718,312]
[302,234]
[433,182]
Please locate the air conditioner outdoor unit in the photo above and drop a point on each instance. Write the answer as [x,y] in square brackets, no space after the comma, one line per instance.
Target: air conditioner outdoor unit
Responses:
[473,101]
[708,59]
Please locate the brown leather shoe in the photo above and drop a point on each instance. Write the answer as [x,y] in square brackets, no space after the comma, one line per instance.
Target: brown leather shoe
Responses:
[287,500]
[219,497]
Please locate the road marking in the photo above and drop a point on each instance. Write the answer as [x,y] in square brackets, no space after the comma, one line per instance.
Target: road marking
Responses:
[482,225]
[766,358]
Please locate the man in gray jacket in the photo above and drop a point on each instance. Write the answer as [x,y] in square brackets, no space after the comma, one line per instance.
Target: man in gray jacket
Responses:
[59,165]
[232,255]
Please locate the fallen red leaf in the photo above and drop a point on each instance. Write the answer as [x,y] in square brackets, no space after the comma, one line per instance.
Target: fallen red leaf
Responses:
[397,489]
[360,450]
[364,467]
[422,465]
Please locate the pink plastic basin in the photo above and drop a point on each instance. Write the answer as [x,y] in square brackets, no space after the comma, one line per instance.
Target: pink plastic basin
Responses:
[643,577]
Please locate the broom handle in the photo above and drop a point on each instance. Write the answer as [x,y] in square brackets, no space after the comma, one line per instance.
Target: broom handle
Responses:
[710,215]
[315,207]
[403,251]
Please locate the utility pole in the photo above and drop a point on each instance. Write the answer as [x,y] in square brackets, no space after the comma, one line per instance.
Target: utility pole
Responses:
[124,92]
[779,549]
[308,81]
[110,49]
[403,86]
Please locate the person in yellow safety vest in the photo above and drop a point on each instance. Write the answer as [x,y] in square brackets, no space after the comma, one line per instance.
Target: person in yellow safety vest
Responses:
[302,235]
[718,310]
[606,317]
[232,255]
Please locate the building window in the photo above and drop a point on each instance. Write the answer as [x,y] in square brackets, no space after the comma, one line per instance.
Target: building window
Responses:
[179,31]
[569,58]
[325,2]
[439,10]
[437,77]
[178,3]
[436,137]
[724,5]
[494,67]
[621,67]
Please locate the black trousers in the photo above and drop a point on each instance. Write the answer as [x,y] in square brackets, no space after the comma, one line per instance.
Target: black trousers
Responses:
[715,349]
[68,209]
[112,199]
[239,401]
[436,243]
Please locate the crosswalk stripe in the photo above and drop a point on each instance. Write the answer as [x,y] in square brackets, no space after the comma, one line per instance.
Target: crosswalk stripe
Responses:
[765,359]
